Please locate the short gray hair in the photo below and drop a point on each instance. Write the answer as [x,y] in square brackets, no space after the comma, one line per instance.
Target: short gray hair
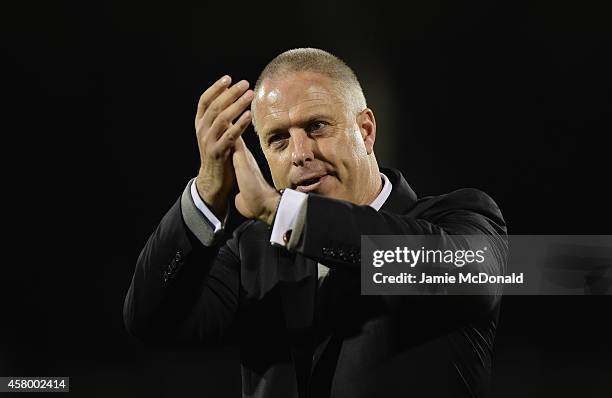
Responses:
[319,61]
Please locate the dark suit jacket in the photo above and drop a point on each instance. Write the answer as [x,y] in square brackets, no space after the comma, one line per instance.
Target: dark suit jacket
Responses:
[297,340]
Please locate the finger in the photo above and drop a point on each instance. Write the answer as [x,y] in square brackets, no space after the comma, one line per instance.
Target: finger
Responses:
[224,119]
[210,94]
[223,101]
[231,135]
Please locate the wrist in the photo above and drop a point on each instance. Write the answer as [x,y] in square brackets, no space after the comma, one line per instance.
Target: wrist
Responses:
[217,203]
[272,207]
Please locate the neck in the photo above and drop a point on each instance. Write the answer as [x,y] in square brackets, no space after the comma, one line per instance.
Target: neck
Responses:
[374,183]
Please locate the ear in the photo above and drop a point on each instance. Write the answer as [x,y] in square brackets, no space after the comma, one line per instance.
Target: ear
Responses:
[367,126]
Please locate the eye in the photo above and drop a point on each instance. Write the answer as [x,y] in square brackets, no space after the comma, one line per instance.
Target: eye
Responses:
[277,140]
[317,125]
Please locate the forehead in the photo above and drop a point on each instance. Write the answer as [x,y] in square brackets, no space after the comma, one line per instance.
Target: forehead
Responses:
[284,100]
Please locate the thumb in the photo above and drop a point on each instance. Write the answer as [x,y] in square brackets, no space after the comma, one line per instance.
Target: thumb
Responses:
[240,205]
[238,157]
[240,145]
[243,157]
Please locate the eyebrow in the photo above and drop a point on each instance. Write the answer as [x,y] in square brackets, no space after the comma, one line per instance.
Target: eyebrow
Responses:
[309,119]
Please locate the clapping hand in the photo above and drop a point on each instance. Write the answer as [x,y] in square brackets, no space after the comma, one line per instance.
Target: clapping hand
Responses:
[217,133]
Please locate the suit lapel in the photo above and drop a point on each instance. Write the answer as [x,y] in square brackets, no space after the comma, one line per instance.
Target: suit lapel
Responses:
[402,197]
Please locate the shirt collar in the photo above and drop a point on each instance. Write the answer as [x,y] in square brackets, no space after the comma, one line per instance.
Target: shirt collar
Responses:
[384,193]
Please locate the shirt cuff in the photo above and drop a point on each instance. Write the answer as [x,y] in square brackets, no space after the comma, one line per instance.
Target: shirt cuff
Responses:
[197,200]
[290,204]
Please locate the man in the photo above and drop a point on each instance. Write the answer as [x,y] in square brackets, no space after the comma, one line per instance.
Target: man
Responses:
[286,286]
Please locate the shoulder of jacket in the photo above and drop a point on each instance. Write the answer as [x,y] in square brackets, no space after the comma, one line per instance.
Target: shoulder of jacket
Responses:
[464,198]
[470,195]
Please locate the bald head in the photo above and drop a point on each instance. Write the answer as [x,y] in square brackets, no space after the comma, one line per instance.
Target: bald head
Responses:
[316,61]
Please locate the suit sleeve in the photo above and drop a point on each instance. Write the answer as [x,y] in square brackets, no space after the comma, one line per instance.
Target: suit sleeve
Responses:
[330,230]
[186,283]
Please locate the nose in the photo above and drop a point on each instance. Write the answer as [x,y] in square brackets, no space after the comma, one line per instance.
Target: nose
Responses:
[302,148]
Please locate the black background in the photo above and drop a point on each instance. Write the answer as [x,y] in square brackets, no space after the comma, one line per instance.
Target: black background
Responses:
[99,99]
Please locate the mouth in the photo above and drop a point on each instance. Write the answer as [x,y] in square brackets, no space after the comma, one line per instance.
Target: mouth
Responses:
[310,184]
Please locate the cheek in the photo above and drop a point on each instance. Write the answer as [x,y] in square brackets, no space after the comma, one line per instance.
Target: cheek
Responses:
[352,149]
[344,155]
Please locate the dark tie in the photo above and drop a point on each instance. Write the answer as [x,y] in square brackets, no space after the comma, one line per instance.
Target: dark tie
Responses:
[327,344]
